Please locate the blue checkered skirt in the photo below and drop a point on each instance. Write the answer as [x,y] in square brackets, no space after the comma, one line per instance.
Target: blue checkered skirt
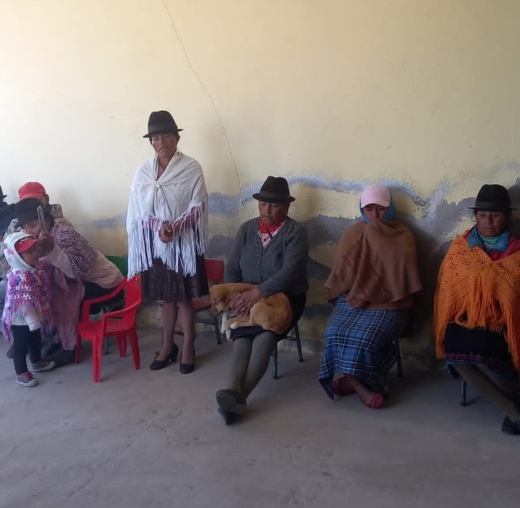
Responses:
[360,342]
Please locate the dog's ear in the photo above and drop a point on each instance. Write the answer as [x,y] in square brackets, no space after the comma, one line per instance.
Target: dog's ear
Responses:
[216,293]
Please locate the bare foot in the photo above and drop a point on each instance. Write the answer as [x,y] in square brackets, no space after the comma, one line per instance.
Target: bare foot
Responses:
[342,387]
[371,399]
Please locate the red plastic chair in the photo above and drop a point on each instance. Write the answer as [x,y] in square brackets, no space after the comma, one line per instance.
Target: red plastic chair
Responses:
[215,275]
[119,323]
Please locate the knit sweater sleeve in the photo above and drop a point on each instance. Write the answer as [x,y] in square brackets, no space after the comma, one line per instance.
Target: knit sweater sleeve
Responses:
[294,264]
[60,260]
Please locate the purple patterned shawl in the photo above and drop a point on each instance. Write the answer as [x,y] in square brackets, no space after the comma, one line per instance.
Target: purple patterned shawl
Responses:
[82,256]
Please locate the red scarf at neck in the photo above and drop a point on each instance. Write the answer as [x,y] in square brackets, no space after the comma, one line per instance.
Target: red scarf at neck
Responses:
[269,230]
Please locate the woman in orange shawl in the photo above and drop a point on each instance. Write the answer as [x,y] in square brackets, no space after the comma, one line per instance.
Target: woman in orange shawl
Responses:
[477,305]
[372,284]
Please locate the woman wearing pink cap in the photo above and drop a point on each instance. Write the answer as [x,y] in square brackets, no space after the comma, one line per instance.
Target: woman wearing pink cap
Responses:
[372,284]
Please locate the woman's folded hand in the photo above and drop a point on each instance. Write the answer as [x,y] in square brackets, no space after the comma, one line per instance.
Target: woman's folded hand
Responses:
[45,244]
[241,304]
[166,233]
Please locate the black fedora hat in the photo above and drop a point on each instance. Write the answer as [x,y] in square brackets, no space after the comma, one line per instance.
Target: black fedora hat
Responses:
[493,198]
[161,122]
[26,210]
[274,190]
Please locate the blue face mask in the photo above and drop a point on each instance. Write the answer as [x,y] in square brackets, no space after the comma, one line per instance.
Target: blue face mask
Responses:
[390,214]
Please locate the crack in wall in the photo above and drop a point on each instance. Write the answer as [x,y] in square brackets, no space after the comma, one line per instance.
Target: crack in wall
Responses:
[205,90]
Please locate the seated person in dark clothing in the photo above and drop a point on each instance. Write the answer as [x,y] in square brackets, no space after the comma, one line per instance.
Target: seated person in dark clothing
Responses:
[271,253]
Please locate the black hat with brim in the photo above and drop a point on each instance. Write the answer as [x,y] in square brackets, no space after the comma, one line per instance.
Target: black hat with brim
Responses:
[161,122]
[274,190]
[26,210]
[493,198]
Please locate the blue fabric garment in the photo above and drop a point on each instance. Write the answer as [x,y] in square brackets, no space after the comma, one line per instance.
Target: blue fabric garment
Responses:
[475,239]
[390,214]
[360,342]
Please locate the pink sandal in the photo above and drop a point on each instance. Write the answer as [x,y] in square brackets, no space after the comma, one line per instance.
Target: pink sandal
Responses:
[376,402]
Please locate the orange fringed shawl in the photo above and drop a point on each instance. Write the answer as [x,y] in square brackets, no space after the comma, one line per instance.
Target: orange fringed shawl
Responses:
[477,292]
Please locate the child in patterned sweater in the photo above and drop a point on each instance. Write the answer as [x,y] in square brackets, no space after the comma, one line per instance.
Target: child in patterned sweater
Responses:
[27,305]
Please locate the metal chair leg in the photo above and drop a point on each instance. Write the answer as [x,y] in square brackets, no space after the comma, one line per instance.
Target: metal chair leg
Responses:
[275,360]
[463,390]
[386,390]
[399,361]
[298,342]
[217,330]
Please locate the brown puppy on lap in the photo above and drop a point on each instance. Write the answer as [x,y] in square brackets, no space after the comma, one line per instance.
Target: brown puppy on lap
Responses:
[272,313]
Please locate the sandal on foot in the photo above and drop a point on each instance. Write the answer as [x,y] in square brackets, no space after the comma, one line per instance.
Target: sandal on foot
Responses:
[376,402]
[342,387]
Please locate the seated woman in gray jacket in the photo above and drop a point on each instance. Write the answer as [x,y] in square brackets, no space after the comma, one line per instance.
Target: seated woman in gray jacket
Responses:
[271,253]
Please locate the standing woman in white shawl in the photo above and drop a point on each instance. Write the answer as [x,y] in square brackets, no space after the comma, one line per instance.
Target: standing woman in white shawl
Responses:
[167,224]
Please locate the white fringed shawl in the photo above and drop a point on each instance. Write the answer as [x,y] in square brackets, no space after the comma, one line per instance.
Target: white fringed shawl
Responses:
[171,197]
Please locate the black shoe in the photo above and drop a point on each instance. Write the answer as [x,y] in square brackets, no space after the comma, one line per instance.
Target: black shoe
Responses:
[62,356]
[231,401]
[159,364]
[186,368]
[511,427]
[229,418]
[50,349]
[175,352]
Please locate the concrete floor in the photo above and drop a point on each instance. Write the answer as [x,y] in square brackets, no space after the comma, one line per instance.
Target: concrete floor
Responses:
[155,439]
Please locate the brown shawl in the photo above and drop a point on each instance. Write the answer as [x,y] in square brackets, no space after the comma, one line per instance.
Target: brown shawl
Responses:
[375,266]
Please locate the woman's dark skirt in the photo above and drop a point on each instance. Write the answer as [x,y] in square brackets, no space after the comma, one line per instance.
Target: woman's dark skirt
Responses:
[480,347]
[161,283]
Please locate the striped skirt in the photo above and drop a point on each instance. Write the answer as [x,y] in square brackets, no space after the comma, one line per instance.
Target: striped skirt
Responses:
[360,342]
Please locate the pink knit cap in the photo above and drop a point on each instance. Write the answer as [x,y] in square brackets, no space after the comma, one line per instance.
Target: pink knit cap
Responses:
[375,195]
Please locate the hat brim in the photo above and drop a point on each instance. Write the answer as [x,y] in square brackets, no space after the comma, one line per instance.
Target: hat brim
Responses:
[26,244]
[270,199]
[380,202]
[493,208]
[154,133]
[35,195]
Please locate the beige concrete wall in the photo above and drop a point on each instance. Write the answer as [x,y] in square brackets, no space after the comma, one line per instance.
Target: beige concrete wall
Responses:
[333,94]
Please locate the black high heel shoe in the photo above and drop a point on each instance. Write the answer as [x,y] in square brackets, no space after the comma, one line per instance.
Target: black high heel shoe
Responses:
[175,353]
[187,368]
[161,364]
